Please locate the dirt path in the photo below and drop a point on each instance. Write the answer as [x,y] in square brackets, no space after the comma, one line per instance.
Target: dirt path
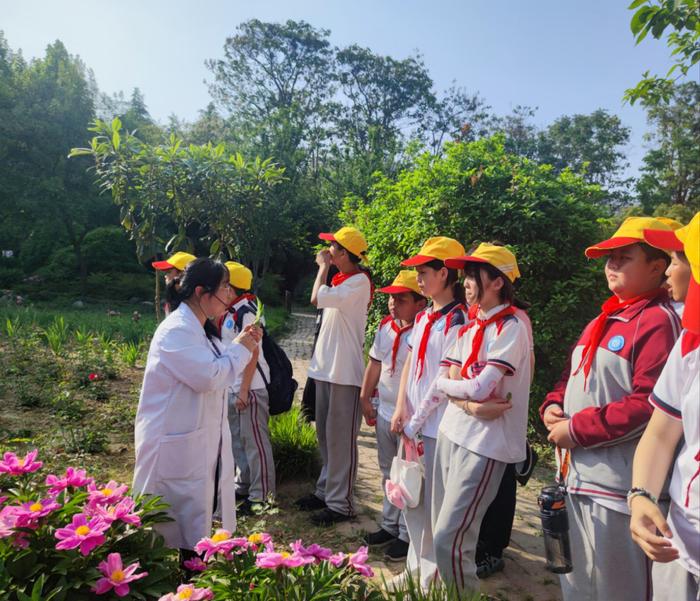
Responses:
[524,577]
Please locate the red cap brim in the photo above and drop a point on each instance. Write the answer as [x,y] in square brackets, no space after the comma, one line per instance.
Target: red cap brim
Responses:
[663,239]
[327,236]
[458,262]
[418,260]
[395,289]
[691,311]
[603,248]
[163,265]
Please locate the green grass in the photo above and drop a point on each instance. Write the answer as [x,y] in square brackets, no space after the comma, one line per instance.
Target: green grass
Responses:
[294,445]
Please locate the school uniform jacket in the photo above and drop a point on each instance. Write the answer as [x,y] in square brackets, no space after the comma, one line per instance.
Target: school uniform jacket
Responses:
[610,412]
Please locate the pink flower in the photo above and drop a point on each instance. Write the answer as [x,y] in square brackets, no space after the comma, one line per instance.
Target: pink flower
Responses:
[8,520]
[315,552]
[110,493]
[28,514]
[259,539]
[337,559]
[272,560]
[116,576]
[195,564]
[188,592]
[81,533]
[122,511]
[358,561]
[220,542]
[72,477]
[14,466]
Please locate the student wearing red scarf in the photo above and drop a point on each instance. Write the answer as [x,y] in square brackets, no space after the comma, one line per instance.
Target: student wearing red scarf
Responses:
[600,408]
[673,545]
[489,365]
[383,378]
[337,367]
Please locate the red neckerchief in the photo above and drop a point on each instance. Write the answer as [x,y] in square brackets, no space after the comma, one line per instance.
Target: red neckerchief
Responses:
[423,346]
[609,307]
[230,309]
[478,339]
[340,277]
[399,331]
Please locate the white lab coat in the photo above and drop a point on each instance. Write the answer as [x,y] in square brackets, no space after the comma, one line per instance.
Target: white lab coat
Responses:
[182,429]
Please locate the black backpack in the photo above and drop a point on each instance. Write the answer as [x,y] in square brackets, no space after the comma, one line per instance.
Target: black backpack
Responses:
[282,386]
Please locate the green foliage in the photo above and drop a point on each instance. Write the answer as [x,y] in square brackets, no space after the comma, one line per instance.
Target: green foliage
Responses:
[671,170]
[294,445]
[130,353]
[682,17]
[56,335]
[478,192]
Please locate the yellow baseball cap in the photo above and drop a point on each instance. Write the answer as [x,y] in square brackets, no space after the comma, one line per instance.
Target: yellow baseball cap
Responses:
[669,221]
[239,275]
[497,256]
[179,261]
[349,238]
[630,232]
[690,236]
[665,239]
[439,248]
[405,281]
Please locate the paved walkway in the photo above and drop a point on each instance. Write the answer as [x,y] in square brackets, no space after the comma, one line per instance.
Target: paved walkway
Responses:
[524,577]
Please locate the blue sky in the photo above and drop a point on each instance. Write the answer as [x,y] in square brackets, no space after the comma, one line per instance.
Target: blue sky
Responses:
[565,56]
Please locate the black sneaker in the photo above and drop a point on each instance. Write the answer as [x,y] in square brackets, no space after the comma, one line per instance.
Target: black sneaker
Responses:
[310,503]
[397,550]
[245,508]
[380,537]
[328,517]
[489,566]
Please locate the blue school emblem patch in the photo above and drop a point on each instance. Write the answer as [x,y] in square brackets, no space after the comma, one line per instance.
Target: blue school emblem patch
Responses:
[229,324]
[440,325]
[616,343]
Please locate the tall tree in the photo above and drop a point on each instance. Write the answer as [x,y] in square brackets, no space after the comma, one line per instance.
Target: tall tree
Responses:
[671,170]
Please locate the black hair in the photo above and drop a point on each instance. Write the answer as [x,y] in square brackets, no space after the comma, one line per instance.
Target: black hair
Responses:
[240,291]
[653,254]
[474,270]
[355,259]
[418,297]
[204,272]
[452,279]
[515,301]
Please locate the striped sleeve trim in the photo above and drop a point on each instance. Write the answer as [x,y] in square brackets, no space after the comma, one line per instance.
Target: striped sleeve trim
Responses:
[501,363]
[662,405]
[449,361]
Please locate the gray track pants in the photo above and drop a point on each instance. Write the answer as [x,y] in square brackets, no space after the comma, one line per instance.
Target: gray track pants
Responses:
[252,451]
[338,418]
[672,582]
[464,486]
[607,563]
[387,447]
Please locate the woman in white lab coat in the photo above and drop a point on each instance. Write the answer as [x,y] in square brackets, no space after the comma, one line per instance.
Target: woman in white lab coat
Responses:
[183,441]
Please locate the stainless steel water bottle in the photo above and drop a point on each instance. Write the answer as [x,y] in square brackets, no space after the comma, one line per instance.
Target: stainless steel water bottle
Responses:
[555,527]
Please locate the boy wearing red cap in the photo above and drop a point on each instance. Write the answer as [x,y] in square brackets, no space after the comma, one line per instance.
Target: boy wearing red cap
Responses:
[600,408]
[337,367]
[673,545]
[383,375]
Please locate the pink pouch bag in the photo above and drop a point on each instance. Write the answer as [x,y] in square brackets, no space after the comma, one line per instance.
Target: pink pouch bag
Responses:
[405,482]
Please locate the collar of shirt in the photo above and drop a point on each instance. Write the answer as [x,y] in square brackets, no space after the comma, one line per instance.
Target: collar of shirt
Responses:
[491,312]
[629,313]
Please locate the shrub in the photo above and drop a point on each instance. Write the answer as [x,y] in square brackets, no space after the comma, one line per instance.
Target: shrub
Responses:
[294,445]
[250,568]
[62,536]
[478,192]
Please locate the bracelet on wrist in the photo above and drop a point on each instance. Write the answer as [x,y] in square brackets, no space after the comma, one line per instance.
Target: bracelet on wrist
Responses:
[640,492]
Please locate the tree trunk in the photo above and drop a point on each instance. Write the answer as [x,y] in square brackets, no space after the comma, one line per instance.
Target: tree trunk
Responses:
[156,299]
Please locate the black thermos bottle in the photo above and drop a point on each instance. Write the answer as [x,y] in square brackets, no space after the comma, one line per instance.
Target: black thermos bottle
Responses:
[555,527]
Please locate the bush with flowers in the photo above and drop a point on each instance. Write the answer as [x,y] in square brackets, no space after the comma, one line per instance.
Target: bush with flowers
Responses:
[67,537]
[253,568]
